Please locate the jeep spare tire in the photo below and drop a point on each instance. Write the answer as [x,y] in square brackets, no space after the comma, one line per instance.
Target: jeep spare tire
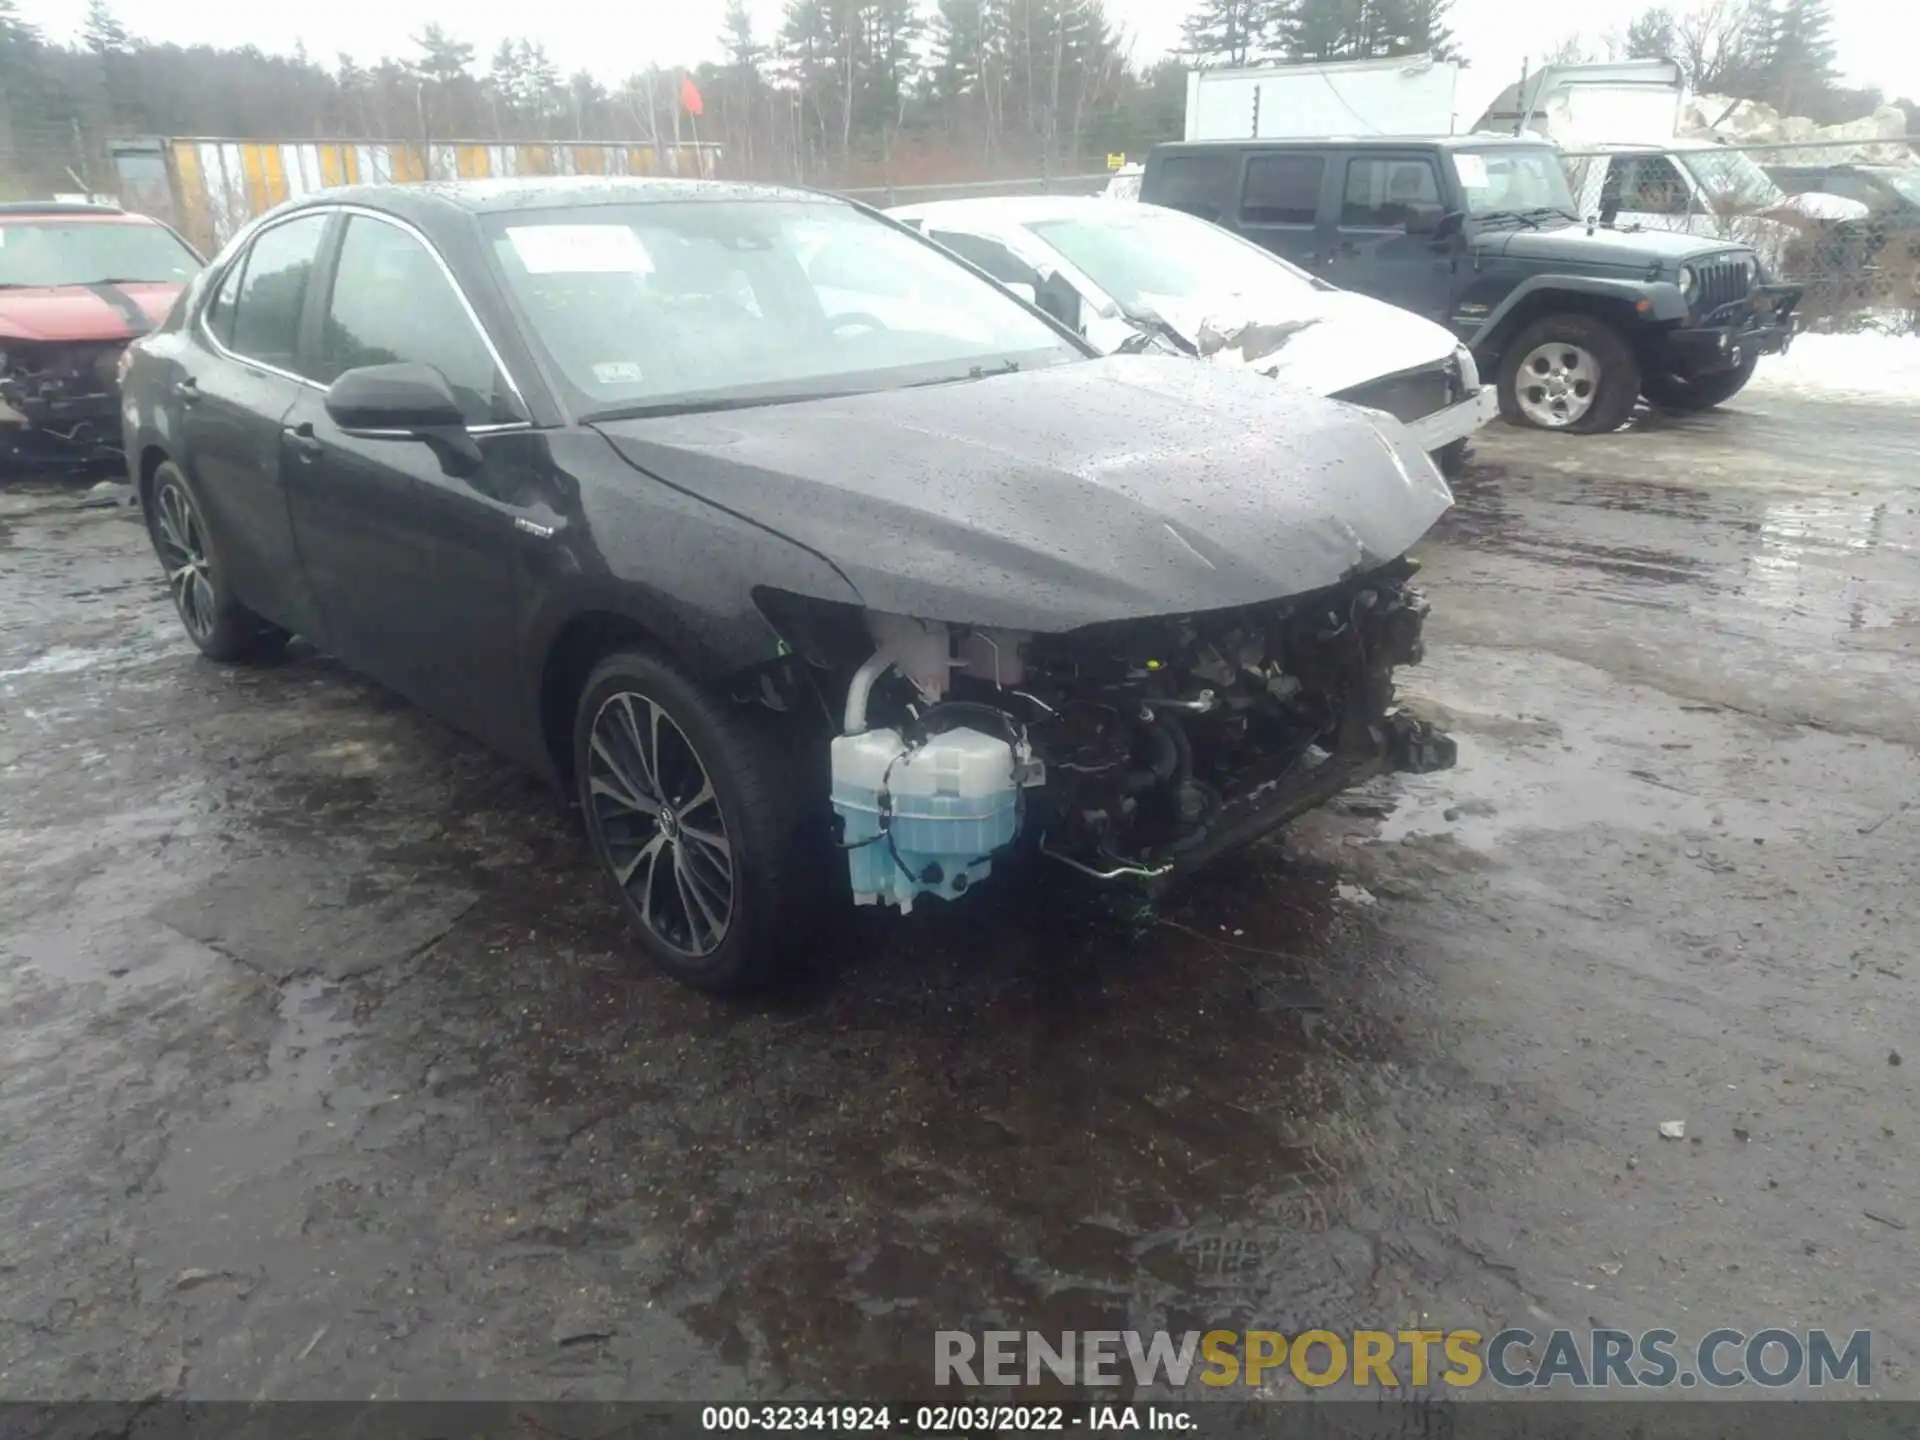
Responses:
[1569,372]
[1703,392]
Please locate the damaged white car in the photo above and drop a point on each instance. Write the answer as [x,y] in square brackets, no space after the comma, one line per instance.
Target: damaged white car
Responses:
[1133,277]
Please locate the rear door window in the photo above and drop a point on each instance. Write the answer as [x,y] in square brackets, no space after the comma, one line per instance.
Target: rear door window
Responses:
[1198,184]
[1282,189]
[273,292]
[1381,190]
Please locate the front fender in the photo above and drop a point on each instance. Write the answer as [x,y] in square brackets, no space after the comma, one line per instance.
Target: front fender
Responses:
[1664,302]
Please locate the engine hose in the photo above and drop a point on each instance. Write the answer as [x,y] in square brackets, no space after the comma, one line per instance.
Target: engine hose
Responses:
[1173,758]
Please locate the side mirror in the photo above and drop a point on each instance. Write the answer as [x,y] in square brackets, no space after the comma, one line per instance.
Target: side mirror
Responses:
[1022,289]
[1424,219]
[405,402]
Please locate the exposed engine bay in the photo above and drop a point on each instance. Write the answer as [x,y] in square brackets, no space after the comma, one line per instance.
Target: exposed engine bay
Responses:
[1126,751]
[61,396]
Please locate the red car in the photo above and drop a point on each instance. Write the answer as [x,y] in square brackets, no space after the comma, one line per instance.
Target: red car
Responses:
[77,282]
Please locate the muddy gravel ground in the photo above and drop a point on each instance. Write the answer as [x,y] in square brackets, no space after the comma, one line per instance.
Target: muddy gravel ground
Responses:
[327,1071]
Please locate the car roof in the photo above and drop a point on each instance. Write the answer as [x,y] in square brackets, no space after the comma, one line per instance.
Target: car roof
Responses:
[484,197]
[1478,140]
[1010,209]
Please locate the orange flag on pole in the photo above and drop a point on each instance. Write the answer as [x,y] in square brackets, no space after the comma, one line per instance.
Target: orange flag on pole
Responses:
[690,96]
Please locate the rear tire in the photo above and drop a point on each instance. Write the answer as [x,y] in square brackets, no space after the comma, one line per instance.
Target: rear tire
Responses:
[212,616]
[692,820]
[1569,372]
[1683,396]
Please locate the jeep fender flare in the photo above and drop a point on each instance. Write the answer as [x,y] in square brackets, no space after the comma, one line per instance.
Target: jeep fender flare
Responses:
[1663,298]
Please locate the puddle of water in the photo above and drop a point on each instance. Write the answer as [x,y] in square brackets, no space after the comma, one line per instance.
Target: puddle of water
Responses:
[232,1191]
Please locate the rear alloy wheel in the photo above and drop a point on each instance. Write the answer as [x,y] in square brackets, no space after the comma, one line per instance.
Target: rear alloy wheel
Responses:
[220,625]
[1569,372]
[1674,392]
[685,810]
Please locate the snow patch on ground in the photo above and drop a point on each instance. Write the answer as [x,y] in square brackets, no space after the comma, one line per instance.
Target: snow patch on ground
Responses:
[1866,364]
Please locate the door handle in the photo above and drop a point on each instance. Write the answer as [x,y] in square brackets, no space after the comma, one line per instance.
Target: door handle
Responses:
[303,440]
[187,391]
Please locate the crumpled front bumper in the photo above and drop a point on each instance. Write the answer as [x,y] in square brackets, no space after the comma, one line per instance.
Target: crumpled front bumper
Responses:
[1260,805]
[1441,428]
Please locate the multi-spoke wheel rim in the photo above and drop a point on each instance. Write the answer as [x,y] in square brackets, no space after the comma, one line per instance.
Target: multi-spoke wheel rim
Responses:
[1556,384]
[654,809]
[183,552]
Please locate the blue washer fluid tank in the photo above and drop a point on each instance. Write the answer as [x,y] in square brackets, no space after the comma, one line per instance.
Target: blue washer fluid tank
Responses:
[947,803]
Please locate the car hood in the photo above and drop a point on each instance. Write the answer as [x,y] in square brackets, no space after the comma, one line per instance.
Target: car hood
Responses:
[85,312]
[1818,205]
[1326,340]
[1600,248]
[1085,492]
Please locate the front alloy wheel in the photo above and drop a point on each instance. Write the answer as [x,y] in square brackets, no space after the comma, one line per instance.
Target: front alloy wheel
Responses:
[691,807]
[655,811]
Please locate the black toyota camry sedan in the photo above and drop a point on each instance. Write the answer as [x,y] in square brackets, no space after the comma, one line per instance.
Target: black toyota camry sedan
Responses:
[799,553]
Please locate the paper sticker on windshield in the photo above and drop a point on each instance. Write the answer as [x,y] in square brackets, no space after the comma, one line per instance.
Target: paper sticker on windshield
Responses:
[1472,170]
[618,372]
[579,250]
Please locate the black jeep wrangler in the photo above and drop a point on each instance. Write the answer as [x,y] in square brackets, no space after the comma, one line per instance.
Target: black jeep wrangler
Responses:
[1480,233]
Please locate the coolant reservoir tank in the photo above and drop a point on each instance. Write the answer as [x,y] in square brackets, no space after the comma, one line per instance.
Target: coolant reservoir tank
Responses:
[930,815]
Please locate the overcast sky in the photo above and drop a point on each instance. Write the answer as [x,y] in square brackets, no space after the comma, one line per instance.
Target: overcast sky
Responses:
[1879,40]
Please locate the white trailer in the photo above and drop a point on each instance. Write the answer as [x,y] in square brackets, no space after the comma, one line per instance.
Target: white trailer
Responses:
[1411,95]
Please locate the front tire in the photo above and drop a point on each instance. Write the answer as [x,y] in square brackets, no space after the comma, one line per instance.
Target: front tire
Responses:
[1684,396]
[213,617]
[691,820]
[1569,372]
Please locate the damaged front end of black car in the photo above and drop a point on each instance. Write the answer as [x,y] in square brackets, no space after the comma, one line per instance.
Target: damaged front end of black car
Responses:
[1131,752]
[1120,616]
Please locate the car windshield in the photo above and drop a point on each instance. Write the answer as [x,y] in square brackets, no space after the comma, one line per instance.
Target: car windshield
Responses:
[1512,181]
[687,304]
[1733,178]
[1142,256]
[85,252]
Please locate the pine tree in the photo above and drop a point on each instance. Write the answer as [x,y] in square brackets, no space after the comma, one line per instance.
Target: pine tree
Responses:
[744,52]
[959,50]
[1424,31]
[1651,35]
[1226,32]
[1320,29]
[103,33]
[443,59]
[1800,57]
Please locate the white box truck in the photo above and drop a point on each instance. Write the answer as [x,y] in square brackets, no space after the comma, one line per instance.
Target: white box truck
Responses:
[1411,95]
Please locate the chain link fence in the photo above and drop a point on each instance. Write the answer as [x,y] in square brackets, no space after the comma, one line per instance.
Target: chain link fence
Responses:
[1840,218]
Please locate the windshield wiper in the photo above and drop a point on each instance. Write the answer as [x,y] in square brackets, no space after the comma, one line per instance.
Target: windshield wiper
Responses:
[1519,217]
[1152,326]
[665,408]
[974,372]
